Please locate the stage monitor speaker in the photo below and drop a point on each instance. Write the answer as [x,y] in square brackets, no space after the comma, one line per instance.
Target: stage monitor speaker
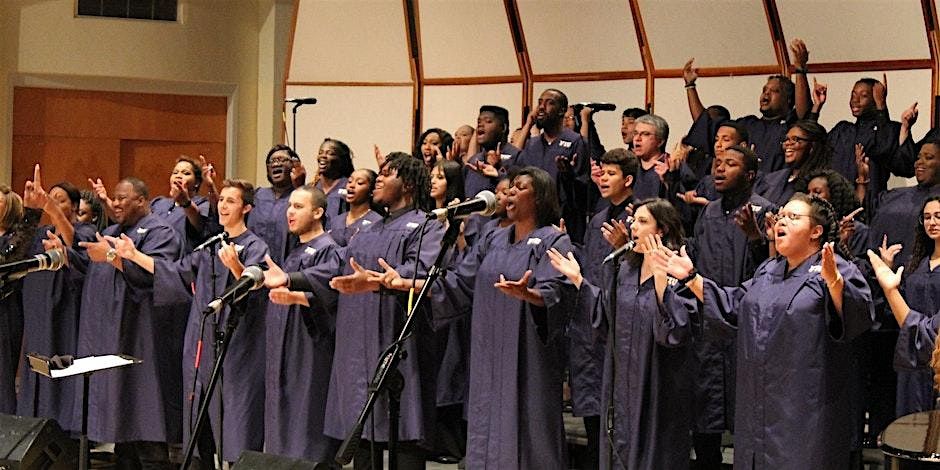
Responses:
[35,444]
[257,461]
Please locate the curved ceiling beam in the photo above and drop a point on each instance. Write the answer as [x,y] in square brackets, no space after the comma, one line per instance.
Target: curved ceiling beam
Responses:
[522,55]
[645,54]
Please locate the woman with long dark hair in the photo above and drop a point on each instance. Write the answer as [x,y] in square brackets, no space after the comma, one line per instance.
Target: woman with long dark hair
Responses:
[334,167]
[432,145]
[792,322]
[361,212]
[805,150]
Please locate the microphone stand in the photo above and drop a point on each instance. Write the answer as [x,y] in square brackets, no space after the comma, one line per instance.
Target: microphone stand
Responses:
[387,377]
[219,339]
[612,360]
[293,141]
[234,315]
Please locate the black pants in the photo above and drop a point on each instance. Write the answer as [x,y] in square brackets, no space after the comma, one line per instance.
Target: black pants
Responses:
[411,456]
[707,450]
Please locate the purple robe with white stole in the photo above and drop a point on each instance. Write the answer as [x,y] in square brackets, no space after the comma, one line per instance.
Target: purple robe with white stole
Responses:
[176,216]
[139,402]
[368,322]
[242,383]
[300,342]
[793,406]
[341,232]
[514,407]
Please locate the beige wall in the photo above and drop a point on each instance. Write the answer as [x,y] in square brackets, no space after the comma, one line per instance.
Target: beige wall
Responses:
[218,47]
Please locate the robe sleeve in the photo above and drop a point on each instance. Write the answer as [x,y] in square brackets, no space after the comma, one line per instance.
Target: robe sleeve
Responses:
[917,339]
[452,295]
[557,292]
[173,280]
[720,305]
[320,317]
[161,243]
[671,328]
[857,310]
[414,262]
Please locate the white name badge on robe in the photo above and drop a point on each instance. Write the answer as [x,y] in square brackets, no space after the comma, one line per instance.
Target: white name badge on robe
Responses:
[564,144]
[534,241]
[366,222]
[504,156]
[310,250]
[341,191]
[141,230]
[816,268]
[239,248]
[412,225]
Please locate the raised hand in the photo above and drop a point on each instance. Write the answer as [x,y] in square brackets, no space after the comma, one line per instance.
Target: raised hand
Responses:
[379,158]
[861,164]
[229,258]
[390,279]
[880,92]
[689,74]
[53,242]
[123,246]
[909,116]
[284,296]
[453,154]
[692,198]
[745,219]
[179,193]
[596,172]
[275,276]
[799,53]
[298,174]
[97,250]
[661,168]
[208,174]
[615,232]
[516,289]
[359,281]
[829,271]
[888,279]
[34,196]
[847,226]
[820,91]
[680,153]
[98,187]
[561,226]
[888,253]
[770,220]
[566,265]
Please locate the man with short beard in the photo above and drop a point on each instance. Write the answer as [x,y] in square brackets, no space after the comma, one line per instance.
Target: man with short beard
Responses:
[483,169]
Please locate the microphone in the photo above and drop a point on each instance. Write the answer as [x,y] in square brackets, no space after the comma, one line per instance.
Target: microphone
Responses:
[219,237]
[483,203]
[308,100]
[52,260]
[598,106]
[252,278]
[619,251]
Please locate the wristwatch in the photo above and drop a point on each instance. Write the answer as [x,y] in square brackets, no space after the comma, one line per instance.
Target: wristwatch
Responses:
[110,255]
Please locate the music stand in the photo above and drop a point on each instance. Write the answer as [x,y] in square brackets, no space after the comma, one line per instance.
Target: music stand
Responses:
[84,366]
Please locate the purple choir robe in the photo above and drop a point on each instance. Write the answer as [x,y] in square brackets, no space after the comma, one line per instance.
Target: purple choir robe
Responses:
[650,370]
[190,281]
[573,186]
[268,220]
[176,216]
[793,407]
[765,135]
[722,253]
[915,392]
[474,181]
[777,187]
[368,322]
[300,342]
[896,216]
[140,402]
[514,406]
[52,299]
[341,232]
[879,135]
[335,201]
[585,344]
[648,183]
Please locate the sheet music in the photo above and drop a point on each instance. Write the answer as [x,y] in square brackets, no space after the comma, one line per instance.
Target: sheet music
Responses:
[90,364]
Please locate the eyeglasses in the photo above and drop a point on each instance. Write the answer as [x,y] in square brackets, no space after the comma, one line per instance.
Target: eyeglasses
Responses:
[794,140]
[277,161]
[790,216]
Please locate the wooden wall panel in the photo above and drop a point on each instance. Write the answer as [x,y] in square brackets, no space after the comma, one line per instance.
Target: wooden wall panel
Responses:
[77,134]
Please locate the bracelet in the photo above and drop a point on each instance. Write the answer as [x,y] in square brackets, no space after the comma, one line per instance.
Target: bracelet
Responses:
[691,277]
[800,70]
[838,278]
[689,86]
[861,181]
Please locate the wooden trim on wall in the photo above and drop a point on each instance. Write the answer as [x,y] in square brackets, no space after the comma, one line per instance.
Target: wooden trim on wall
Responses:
[776,36]
[933,43]
[331,83]
[866,66]
[287,64]
[413,35]
[590,76]
[722,71]
[522,54]
[490,80]
[645,54]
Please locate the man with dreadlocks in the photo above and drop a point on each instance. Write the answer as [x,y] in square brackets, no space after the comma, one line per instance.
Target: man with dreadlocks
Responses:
[369,318]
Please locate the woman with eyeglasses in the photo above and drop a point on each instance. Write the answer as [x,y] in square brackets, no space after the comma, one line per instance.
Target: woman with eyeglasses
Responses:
[804,150]
[267,219]
[913,294]
[792,323]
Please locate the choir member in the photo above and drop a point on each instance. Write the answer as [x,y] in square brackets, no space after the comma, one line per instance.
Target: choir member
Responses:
[137,407]
[432,145]
[805,150]
[268,221]
[52,299]
[791,322]
[334,167]
[908,149]
[91,211]
[460,150]
[726,247]
[300,336]
[197,279]
[476,227]
[368,318]
[495,155]
[781,104]
[874,132]
[647,367]
[585,344]
[833,187]
[919,289]
[628,125]
[519,307]
[359,200]
[562,153]
[649,146]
